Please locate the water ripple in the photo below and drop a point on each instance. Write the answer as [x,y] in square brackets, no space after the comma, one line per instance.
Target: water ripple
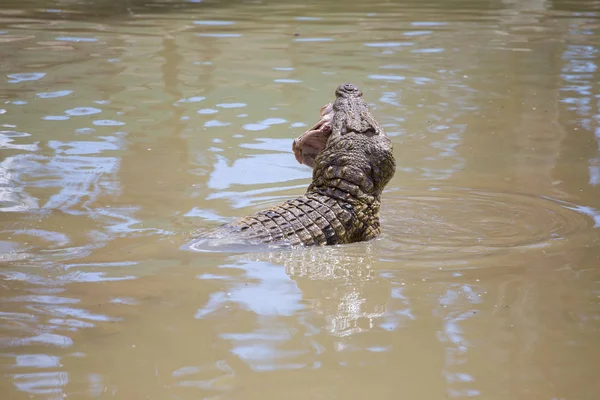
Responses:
[215,123]
[316,39]
[56,118]
[388,44]
[262,125]
[428,51]
[78,111]
[37,361]
[417,33]
[213,22]
[24,77]
[41,383]
[76,39]
[44,299]
[52,339]
[308,18]
[193,99]
[287,81]
[207,111]
[108,122]
[7,139]
[232,105]
[220,35]
[52,95]
[465,223]
[387,77]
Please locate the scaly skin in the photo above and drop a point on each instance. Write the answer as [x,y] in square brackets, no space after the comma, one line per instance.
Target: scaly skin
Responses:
[342,203]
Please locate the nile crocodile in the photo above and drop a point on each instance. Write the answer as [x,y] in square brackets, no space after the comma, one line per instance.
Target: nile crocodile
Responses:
[352,162]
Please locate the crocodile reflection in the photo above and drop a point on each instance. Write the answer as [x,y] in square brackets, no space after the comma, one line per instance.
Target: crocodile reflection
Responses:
[339,285]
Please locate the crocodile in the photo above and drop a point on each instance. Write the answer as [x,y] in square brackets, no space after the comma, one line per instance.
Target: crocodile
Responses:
[352,160]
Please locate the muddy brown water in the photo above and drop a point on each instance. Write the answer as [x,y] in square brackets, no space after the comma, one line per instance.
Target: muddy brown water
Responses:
[126,125]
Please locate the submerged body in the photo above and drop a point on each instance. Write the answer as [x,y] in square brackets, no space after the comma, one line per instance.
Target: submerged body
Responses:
[352,162]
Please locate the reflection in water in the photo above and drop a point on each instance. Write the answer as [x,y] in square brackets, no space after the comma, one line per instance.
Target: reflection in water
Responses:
[579,74]
[125,125]
[340,285]
[347,292]
[335,288]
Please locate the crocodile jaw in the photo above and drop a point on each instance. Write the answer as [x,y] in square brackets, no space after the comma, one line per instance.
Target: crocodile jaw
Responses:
[307,146]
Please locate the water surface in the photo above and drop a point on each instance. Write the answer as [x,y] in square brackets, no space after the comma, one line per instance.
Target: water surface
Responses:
[124,126]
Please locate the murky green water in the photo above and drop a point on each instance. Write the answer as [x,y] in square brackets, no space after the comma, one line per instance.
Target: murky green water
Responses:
[126,125]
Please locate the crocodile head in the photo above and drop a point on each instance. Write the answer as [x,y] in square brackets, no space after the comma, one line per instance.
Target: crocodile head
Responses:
[347,149]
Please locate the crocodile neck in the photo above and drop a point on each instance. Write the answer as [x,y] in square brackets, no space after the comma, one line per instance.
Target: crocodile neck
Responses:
[346,177]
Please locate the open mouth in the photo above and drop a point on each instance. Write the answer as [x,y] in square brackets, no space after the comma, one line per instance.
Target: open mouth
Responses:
[307,146]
